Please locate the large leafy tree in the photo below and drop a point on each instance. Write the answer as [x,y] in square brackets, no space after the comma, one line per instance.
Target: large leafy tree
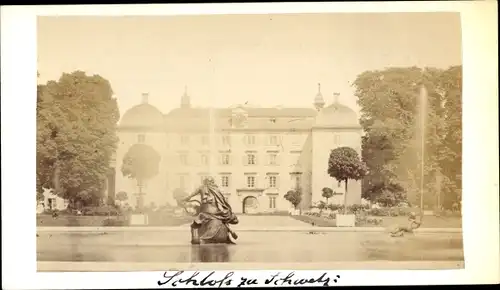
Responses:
[450,82]
[76,136]
[392,112]
[345,164]
[141,162]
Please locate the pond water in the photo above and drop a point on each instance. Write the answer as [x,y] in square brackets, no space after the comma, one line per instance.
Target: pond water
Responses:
[273,247]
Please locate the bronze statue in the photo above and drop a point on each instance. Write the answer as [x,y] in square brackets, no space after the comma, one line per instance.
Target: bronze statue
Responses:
[213,216]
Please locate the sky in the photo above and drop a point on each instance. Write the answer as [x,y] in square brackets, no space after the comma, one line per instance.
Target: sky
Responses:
[223,60]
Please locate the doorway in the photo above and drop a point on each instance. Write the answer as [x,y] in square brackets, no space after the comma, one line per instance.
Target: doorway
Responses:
[250,205]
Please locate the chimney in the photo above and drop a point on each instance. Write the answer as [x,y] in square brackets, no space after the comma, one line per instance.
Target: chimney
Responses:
[145,98]
[336,97]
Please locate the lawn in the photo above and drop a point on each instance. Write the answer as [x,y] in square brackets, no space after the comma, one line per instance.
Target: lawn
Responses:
[387,221]
[316,221]
[99,221]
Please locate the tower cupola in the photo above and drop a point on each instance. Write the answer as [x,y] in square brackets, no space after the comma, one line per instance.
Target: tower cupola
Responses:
[185,99]
[319,102]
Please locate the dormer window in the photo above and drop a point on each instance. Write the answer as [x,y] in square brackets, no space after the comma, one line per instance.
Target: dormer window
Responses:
[272,120]
[239,118]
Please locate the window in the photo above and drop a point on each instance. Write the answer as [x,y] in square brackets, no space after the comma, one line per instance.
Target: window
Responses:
[296,179]
[226,140]
[52,203]
[141,138]
[272,202]
[251,159]
[250,140]
[272,181]
[204,159]
[183,159]
[272,120]
[273,140]
[224,181]
[273,158]
[250,181]
[204,140]
[225,159]
[184,140]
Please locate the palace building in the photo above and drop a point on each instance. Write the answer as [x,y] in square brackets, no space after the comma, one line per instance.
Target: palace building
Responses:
[255,154]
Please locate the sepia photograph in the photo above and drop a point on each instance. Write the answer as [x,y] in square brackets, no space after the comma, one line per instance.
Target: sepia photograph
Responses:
[259,141]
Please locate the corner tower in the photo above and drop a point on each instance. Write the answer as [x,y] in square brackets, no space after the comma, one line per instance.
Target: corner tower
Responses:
[335,126]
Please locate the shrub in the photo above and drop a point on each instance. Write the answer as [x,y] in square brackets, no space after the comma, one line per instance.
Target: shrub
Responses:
[103,210]
[394,211]
[321,205]
[335,207]
[110,222]
[377,212]
[356,208]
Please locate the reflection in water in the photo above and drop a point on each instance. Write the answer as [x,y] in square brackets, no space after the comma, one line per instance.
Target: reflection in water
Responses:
[259,247]
[210,253]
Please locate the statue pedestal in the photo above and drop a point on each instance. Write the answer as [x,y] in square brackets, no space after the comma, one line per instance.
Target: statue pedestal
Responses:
[345,220]
[138,220]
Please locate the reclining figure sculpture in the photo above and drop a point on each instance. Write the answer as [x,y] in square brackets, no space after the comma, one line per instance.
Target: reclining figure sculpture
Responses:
[213,216]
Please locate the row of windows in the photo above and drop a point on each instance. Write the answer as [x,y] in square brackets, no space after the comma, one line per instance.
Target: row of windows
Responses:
[250,180]
[226,140]
[249,159]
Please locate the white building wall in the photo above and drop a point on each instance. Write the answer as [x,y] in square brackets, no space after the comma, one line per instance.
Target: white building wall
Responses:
[323,142]
[302,151]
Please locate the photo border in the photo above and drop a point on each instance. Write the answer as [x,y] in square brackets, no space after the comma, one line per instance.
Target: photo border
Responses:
[480,142]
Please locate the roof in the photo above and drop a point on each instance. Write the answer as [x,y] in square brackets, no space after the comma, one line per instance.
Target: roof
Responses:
[143,115]
[336,115]
[252,112]
[219,119]
[204,119]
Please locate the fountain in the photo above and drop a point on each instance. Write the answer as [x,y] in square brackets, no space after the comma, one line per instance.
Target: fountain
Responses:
[422,113]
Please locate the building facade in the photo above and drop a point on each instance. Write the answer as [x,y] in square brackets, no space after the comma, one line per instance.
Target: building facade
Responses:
[255,154]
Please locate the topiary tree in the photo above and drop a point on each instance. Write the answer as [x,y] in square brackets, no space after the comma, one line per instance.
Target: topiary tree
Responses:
[294,197]
[141,162]
[121,196]
[179,195]
[344,164]
[327,193]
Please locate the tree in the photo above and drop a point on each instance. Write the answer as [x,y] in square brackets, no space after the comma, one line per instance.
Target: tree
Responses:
[179,195]
[141,162]
[294,197]
[345,164]
[76,136]
[391,116]
[122,196]
[327,193]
